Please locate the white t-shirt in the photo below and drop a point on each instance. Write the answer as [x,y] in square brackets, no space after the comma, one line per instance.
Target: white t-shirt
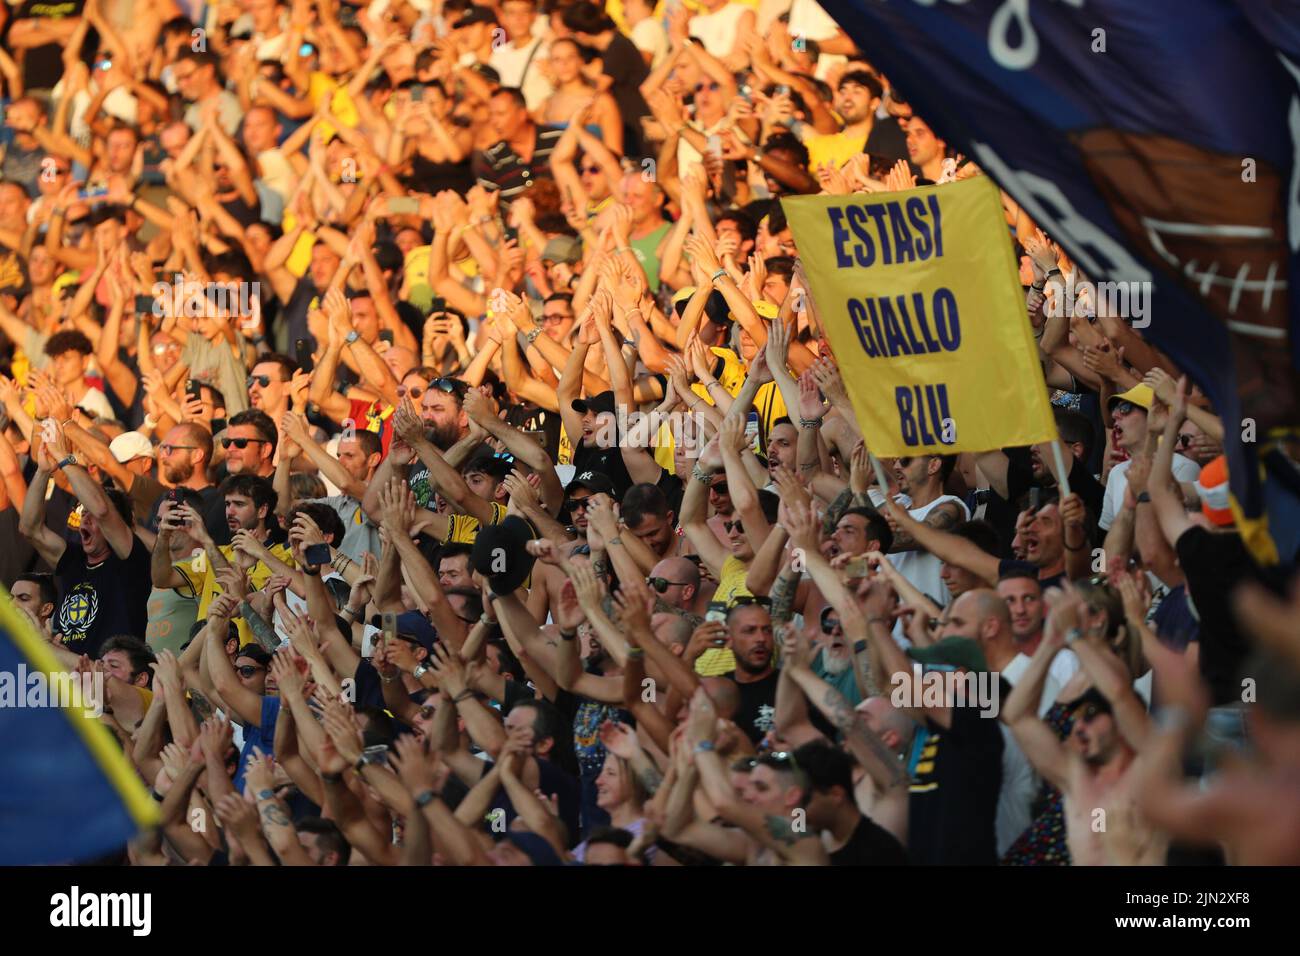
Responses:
[650,37]
[1184,470]
[719,30]
[510,62]
[922,568]
[1015,671]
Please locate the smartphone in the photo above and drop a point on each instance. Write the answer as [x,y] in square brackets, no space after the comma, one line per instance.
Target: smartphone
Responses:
[194,389]
[510,232]
[751,431]
[858,568]
[317,554]
[716,615]
[417,93]
[438,306]
[386,336]
[747,93]
[92,191]
[403,206]
[388,624]
[1035,500]
[144,304]
[302,351]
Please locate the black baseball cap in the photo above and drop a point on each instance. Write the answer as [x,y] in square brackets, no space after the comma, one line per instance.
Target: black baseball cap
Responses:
[594,481]
[604,402]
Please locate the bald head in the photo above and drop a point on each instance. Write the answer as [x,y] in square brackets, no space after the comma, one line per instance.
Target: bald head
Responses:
[891,725]
[400,361]
[981,614]
[724,694]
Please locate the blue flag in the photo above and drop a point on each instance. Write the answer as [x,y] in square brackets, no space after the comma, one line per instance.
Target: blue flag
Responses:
[1156,140]
[67,793]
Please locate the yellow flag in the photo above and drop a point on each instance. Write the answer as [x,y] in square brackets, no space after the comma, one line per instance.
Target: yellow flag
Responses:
[920,300]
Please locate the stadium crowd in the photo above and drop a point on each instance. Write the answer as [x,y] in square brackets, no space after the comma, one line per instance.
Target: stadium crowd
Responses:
[417,411]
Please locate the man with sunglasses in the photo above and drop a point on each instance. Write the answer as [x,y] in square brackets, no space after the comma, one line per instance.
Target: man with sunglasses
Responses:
[249,443]
[676,582]
[1129,411]
[268,384]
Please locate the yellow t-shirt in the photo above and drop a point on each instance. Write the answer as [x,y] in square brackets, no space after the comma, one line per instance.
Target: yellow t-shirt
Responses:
[321,85]
[257,579]
[731,585]
[463,529]
[833,148]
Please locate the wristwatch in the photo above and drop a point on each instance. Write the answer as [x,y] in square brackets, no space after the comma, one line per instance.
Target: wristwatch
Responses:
[1144,498]
[568,635]
[351,337]
[420,670]
[705,746]
[531,337]
[1072,635]
[427,797]
[266,794]
[70,460]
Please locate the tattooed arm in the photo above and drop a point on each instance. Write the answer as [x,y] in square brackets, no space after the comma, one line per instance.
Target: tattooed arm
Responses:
[277,826]
[943,518]
[783,595]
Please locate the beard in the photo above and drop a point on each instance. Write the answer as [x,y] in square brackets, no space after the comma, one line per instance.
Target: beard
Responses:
[835,665]
[443,436]
[179,473]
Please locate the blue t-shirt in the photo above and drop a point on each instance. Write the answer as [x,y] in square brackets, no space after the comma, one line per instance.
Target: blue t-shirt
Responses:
[262,738]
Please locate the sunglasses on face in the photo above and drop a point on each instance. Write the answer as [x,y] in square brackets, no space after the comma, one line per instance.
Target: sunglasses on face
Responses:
[242,442]
[663,584]
[415,391]
[719,489]
[731,527]
[701,87]
[830,623]
[263,380]
[782,757]
[904,462]
[1124,408]
[248,670]
[576,504]
[1184,440]
[589,170]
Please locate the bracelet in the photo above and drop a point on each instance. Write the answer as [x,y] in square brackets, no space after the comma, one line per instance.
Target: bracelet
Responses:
[390,680]
[531,337]
[70,460]
[331,778]
[635,653]
[718,275]
[427,797]
[463,695]
[702,476]
[568,635]
[614,540]
[156,795]
[1067,544]
[810,422]
[711,384]
[859,647]
[877,620]
[1144,498]
[705,746]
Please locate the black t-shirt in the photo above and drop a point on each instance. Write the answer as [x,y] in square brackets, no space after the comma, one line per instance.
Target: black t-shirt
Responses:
[886,139]
[293,320]
[870,845]
[99,602]
[1215,563]
[954,795]
[43,65]
[624,64]
[603,461]
[551,781]
[757,706]
[213,511]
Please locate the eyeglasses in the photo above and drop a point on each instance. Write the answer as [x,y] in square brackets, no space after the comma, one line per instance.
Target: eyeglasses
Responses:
[1184,440]
[588,170]
[167,447]
[415,391]
[663,584]
[263,380]
[242,442]
[719,489]
[579,503]
[554,318]
[714,86]
[248,670]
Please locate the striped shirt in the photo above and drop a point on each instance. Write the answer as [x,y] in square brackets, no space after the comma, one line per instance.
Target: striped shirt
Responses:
[500,167]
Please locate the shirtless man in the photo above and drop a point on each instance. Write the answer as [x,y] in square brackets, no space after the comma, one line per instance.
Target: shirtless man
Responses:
[1094,768]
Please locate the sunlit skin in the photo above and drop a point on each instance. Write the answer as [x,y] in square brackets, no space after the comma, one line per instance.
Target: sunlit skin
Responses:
[1025,602]
[254,458]
[752,640]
